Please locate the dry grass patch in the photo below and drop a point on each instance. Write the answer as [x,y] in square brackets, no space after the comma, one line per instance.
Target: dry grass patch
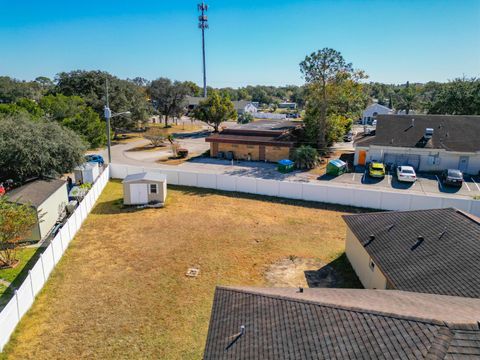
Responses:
[120,291]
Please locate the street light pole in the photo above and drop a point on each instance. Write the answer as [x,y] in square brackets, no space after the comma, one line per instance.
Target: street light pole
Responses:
[108,115]
[203,24]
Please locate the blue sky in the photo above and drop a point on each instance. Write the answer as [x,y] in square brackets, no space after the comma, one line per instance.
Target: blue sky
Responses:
[249,42]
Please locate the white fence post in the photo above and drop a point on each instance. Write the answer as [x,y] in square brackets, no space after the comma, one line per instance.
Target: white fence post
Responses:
[43,269]
[31,283]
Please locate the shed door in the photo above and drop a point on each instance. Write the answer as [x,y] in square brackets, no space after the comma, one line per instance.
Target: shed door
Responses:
[138,193]
[362,157]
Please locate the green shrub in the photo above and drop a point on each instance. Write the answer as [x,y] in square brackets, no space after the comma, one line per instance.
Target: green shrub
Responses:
[305,157]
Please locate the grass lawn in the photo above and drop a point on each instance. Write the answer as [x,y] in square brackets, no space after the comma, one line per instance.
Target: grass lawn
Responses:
[120,291]
[27,257]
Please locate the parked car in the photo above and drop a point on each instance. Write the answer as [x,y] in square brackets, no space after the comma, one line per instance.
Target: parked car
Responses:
[376,169]
[95,158]
[452,177]
[348,137]
[374,123]
[406,173]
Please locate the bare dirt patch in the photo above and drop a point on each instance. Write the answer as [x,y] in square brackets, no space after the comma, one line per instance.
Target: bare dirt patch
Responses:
[294,271]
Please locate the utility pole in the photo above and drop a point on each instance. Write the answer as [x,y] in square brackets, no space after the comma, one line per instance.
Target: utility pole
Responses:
[108,115]
[203,24]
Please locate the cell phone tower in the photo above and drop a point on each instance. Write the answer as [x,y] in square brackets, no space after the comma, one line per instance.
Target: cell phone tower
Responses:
[203,24]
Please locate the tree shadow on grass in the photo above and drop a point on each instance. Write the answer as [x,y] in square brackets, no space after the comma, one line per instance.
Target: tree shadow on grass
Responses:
[337,274]
[10,291]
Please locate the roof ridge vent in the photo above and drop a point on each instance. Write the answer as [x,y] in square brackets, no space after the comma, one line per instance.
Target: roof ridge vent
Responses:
[419,241]
[442,233]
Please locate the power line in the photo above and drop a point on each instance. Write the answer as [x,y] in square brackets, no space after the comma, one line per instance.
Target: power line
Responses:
[203,24]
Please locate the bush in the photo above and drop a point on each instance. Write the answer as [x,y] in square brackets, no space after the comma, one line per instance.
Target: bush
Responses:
[245,118]
[305,157]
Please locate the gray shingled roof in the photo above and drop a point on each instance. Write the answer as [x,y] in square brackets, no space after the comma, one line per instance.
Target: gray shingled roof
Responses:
[450,132]
[446,262]
[35,192]
[284,324]
[147,176]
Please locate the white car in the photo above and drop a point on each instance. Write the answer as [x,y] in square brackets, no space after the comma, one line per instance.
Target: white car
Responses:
[406,173]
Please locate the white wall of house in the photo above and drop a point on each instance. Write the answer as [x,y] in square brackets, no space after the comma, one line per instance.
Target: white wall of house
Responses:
[50,210]
[371,112]
[370,276]
[250,108]
[428,159]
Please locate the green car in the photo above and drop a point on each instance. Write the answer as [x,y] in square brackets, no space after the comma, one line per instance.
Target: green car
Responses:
[376,170]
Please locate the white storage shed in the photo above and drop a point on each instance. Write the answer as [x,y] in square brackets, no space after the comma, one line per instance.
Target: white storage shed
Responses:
[145,188]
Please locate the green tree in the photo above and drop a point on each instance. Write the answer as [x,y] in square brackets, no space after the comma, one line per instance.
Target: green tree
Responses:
[124,95]
[167,96]
[37,149]
[215,109]
[321,69]
[73,113]
[16,221]
[458,97]
[407,98]
[333,90]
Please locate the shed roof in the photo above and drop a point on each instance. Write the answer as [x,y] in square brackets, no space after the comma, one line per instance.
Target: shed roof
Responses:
[147,176]
[341,324]
[444,262]
[35,192]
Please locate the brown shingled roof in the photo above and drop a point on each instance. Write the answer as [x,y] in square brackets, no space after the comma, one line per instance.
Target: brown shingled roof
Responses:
[341,324]
[450,132]
[445,262]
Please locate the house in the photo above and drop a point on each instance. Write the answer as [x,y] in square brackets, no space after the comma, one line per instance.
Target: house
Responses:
[428,251]
[286,323]
[48,197]
[144,188]
[372,111]
[243,106]
[263,140]
[287,105]
[191,102]
[427,142]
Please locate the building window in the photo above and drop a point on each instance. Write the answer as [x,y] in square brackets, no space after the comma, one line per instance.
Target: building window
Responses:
[153,189]
[371,264]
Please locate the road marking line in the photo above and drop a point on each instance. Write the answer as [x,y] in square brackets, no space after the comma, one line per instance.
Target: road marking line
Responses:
[468,187]
[439,183]
[353,178]
[478,187]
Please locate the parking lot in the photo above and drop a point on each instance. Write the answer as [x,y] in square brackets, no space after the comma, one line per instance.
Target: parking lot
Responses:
[426,183]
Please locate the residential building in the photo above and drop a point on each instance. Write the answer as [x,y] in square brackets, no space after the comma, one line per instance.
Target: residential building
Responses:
[244,106]
[372,111]
[427,251]
[263,140]
[191,102]
[48,197]
[285,323]
[429,143]
[287,105]
[144,188]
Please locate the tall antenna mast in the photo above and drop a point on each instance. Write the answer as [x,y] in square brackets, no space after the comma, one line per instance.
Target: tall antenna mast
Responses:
[203,24]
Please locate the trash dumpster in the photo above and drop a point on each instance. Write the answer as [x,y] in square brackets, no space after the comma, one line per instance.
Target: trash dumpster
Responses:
[336,167]
[285,166]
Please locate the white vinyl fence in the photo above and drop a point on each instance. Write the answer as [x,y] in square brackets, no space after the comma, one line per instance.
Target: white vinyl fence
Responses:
[321,192]
[37,277]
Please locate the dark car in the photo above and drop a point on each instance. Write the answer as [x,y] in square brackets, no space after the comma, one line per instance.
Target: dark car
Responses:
[452,177]
[348,137]
[95,158]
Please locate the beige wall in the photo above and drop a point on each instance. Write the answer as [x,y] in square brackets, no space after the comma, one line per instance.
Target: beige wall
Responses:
[241,151]
[160,196]
[50,211]
[360,260]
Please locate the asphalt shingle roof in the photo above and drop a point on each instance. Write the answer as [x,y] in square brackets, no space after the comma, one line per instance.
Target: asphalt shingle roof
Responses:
[35,192]
[147,176]
[450,132]
[445,262]
[284,324]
